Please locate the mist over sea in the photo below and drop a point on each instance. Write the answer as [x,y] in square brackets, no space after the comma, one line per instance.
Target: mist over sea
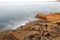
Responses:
[14,14]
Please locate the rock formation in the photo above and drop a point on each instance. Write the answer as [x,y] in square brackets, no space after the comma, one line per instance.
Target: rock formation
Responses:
[36,30]
[49,17]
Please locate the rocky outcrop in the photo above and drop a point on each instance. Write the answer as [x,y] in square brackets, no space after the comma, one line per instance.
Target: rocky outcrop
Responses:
[34,30]
[49,17]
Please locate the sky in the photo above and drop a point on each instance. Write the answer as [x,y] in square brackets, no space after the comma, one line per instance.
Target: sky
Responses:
[24,1]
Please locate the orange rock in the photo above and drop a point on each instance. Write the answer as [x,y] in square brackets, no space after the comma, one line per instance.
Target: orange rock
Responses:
[13,34]
[49,17]
[53,17]
[41,15]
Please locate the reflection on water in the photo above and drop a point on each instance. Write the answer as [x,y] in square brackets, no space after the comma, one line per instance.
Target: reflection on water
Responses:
[13,15]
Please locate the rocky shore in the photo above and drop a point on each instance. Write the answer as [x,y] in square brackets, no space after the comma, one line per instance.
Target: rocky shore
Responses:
[34,30]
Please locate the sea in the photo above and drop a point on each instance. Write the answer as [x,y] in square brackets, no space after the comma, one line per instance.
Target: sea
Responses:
[13,15]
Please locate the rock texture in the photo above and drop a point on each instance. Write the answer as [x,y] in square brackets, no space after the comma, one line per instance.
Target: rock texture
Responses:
[49,17]
[34,30]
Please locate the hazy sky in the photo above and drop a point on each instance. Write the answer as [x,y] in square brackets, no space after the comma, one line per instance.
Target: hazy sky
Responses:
[23,1]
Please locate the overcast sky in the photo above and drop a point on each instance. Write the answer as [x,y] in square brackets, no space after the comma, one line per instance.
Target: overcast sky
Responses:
[23,1]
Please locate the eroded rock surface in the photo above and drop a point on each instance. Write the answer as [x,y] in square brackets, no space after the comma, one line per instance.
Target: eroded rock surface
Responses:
[35,30]
[49,17]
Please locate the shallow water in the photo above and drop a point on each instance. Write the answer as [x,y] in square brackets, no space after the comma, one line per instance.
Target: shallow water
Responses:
[13,15]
